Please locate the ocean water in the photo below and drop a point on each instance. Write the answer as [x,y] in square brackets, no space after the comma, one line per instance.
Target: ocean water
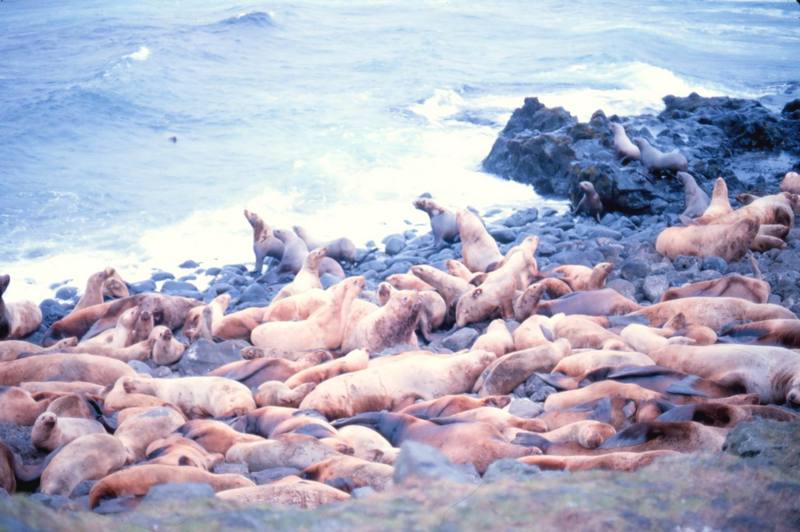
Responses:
[329,114]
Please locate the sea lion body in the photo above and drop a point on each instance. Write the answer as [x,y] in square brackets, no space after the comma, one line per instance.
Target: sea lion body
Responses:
[50,431]
[659,161]
[265,244]
[509,371]
[89,457]
[106,282]
[732,285]
[603,302]
[496,339]
[307,278]
[590,202]
[729,241]
[392,324]
[443,221]
[294,251]
[349,473]
[18,319]
[584,278]
[290,491]
[619,461]
[791,183]
[447,405]
[198,396]
[478,247]
[696,201]
[63,367]
[578,364]
[769,332]
[21,407]
[137,430]
[622,144]
[451,288]
[337,249]
[355,360]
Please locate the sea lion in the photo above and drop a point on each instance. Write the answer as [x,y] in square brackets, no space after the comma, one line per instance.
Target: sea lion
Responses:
[655,160]
[590,202]
[622,144]
[571,398]
[324,329]
[448,405]
[368,444]
[294,308]
[355,360]
[459,269]
[253,373]
[771,372]
[474,443]
[478,248]
[496,339]
[712,312]
[105,283]
[276,393]
[138,351]
[619,461]
[215,436]
[306,279]
[407,281]
[50,431]
[138,480]
[584,278]
[264,242]
[603,302]
[579,364]
[767,332]
[584,333]
[61,367]
[727,240]
[509,371]
[291,491]
[263,420]
[348,473]
[696,201]
[19,319]
[294,251]
[433,308]
[719,205]
[121,335]
[724,415]
[76,405]
[443,221]
[791,183]
[777,209]
[206,321]
[451,288]
[12,349]
[686,436]
[196,396]
[338,249]
[8,480]
[769,236]
[89,457]
[531,333]
[21,407]
[731,285]
[166,349]
[286,450]
[500,419]
[397,382]
[392,324]
[144,426]
[176,450]
[62,388]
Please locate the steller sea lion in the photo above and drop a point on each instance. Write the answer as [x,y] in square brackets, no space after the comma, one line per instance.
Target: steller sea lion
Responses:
[407,281]
[338,249]
[731,241]
[349,472]
[433,308]
[478,247]
[603,302]
[89,457]
[584,333]
[215,436]
[196,396]
[509,371]
[732,285]
[459,269]
[579,364]
[17,320]
[367,444]
[500,419]
[597,390]
[777,209]
[294,251]
[138,480]
[291,491]
[590,202]
[618,461]
[496,339]
[719,205]
[139,427]
[659,161]
[50,431]
[392,324]
[12,349]
[767,332]
[176,450]
[253,373]
[21,407]
[686,436]
[63,367]
[294,308]
[531,333]
[443,222]
[791,183]
[105,283]
[584,278]
[448,405]
[276,393]
[306,279]
[696,201]
[287,450]
[166,349]
[265,244]
[355,360]
[622,144]
[451,288]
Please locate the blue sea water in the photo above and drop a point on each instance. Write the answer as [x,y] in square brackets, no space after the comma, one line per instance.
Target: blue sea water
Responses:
[329,114]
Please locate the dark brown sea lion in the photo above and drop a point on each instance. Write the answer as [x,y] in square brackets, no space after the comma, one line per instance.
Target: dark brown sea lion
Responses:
[768,332]
[590,202]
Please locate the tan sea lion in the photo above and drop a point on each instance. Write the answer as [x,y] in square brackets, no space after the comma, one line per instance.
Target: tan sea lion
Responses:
[496,339]
[196,396]
[138,480]
[355,360]
[19,319]
[176,450]
[597,390]
[578,364]
[619,461]
[324,329]
[777,209]
[50,431]
[659,161]
[338,249]
[451,288]
[590,202]
[392,324]
[8,480]
[75,405]
[478,248]
[457,268]
[603,302]
[696,201]
[286,450]
[367,444]
[306,279]
[166,349]
[62,367]
[448,405]
[264,242]
[732,285]
[138,351]
[584,278]
[12,349]
[768,332]
[276,393]
[719,205]
[89,457]
[121,335]
[138,430]
[791,183]
[407,281]
[729,241]
[530,333]
[215,436]
[290,491]
[686,436]
[298,307]
[584,333]
[206,321]
[105,283]
[263,420]
[443,222]
[509,371]
[348,473]
[622,144]
[433,308]
[62,388]
[253,373]
[294,251]
[21,407]
[397,382]
[500,419]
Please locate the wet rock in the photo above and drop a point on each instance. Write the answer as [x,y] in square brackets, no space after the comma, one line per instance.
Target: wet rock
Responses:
[56,502]
[684,263]
[142,286]
[328,280]
[255,293]
[229,468]
[204,355]
[766,441]
[654,287]
[461,339]
[418,463]
[363,492]
[524,407]
[188,264]
[502,234]
[714,263]
[161,276]
[176,287]
[66,292]
[140,367]
[535,389]
[626,288]
[82,489]
[522,217]
[510,469]
[395,244]
[52,311]
[213,271]
[632,270]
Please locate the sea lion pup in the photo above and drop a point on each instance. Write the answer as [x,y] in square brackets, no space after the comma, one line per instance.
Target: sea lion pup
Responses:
[392,324]
[785,333]
[355,360]
[107,282]
[407,281]
[294,251]
[348,473]
[465,442]
[584,333]
[12,349]
[791,183]
[457,268]
[288,491]
[603,302]
[655,160]
[143,426]
[729,241]
[61,367]
[686,436]
[619,461]
[732,285]
[584,278]
[444,225]
[496,292]
[276,393]
[771,372]
[622,144]
[286,450]
[21,407]
[324,329]
[17,320]
[264,242]
[531,333]
[448,405]
[579,364]
[397,382]
[176,450]
[696,201]
[509,371]
[50,431]
[496,339]
[215,436]
[196,396]
[89,457]
[712,312]
[597,390]
[306,279]
[478,248]
[590,202]
[337,249]
[138,480]
[451,288]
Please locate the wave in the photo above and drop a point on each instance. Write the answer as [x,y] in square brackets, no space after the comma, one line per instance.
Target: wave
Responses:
[254,19]
[142,54]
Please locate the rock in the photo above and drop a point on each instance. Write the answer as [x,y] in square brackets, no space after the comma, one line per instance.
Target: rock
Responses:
[502,234]
[461,339]
[213,271]
[184,491]
[394,244]
[161,276]
[140,367]
[684,263]
[363,492]
[142,286]
[418,463]
[633,270]
[52,311]
[229,468]
[535,389]
[328,280]
[204,355]
[766,441]
[255,293]
[626,288]
[522,217]
[714,263]
[176,287]
[654,287]
[161,372]
[82,488]
[524,407]
[66,293]
[56,502]
[265,476]
[510,469]
[188,264]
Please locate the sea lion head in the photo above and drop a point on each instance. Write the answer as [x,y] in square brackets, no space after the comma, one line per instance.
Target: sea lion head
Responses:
[284,235]
[165,350]
[793,396]
[473,306]
[587,187]
[315,257]
[616,128]
[641,143]
[43,426]
[794,201]
[115,287]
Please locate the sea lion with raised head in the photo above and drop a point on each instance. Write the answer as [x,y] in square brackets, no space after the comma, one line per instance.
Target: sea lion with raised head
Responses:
[582,277]
[19,319]
[50,431]
[348,473]
[451,288]
[478,248]
[655,160]
[105,283]
[443,221]
[622,144]
[294,251]
[776,209]
[265,244]
[509,371]
[791,183]
[392,324]
[590,202]
[337,249]
[696,201]
[306,279]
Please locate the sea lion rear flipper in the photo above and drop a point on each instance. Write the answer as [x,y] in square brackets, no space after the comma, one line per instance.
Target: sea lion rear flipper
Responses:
[678,413]
[636,434]
[559,381]
[103,324]
[368,419]
[531,439]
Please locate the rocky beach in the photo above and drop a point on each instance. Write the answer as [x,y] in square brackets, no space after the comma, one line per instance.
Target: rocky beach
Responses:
[747,477]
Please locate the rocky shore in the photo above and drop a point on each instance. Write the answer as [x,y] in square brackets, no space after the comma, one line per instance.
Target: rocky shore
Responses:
[753,484]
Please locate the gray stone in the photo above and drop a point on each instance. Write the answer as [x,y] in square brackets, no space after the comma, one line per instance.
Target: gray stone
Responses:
[142,286]
[255,293]
[395,244]
[654,287]
[161,276]
[363,492]
[211,272]
[175,287]
[229,468]
[524,407]
[418,463]
[510,469]
[187,264]
[633,270]
[328,280]
[265,476]
[184,491]
[626,288]
[715,263]
[685,262]
[140,367]
[66,293]
[522,217]
[502,234]
[461,339]
[204,355]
